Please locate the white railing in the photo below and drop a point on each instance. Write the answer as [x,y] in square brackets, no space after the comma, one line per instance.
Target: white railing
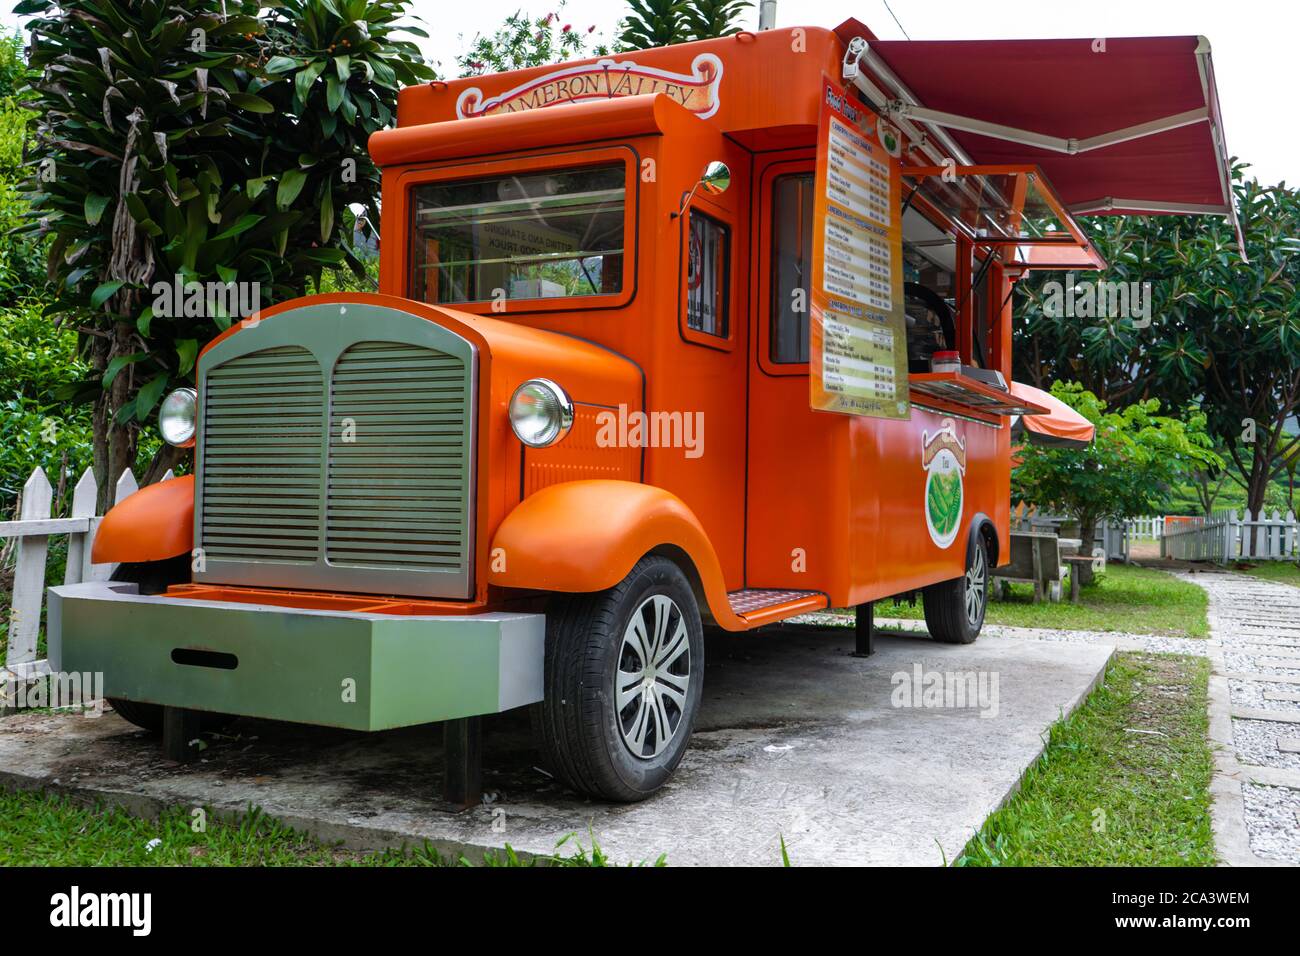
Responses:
[29,536]
[1228,536]
[1147,529]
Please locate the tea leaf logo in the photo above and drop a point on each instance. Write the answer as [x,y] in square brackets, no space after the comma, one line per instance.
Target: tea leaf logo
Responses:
[943,456]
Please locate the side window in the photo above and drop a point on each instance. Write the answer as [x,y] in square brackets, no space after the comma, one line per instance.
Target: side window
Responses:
[707,275]
[543,235]
[792,214]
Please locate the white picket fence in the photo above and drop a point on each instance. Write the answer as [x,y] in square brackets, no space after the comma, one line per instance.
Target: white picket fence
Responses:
[1228,536]
[31,532]
[1148,529]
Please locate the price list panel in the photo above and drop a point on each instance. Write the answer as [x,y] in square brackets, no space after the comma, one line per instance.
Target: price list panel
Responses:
[859,345]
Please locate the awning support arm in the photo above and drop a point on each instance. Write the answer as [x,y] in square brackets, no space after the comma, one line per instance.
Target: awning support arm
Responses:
[919,138]
[860,50]
[1071,146]
[1109,203]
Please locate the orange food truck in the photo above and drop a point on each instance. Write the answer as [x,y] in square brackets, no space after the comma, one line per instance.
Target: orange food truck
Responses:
[715,334]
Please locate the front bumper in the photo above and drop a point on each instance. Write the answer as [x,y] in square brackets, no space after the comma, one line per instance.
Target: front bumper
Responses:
[357,670]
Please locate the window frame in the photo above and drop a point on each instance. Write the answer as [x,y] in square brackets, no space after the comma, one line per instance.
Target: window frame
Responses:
[795,165]
[531,164]
[696,336]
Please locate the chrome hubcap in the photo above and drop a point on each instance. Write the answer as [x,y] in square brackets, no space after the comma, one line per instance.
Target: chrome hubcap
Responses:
[976,583]
[654,672]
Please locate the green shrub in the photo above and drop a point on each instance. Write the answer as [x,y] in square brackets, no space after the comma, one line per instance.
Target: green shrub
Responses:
[22,260]
[36,428]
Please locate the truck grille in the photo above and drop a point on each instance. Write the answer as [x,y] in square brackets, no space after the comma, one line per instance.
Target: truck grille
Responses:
[396,474]
[261,458]
[363,484]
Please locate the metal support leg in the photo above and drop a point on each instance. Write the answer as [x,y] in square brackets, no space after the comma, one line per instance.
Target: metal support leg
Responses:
[462,748]
[180,726]
[864,632]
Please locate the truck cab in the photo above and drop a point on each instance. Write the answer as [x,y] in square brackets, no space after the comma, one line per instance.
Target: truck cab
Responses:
[613,388]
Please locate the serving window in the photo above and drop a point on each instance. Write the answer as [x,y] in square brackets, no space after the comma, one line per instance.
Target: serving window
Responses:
[930,292]
[545,235]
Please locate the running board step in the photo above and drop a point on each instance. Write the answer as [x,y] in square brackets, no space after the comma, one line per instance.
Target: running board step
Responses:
[765,605]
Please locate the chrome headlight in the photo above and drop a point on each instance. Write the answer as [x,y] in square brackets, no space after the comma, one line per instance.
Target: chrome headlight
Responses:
[541,413]
[177,417]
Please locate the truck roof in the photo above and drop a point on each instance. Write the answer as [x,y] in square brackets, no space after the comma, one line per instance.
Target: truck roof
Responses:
[750,85]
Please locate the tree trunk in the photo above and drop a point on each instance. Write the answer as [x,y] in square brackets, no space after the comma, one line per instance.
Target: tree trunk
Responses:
[1257,486]
[1257,489]
[115,445]
[168,456]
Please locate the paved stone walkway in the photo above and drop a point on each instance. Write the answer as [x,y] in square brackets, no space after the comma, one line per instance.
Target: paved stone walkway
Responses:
[1254,716]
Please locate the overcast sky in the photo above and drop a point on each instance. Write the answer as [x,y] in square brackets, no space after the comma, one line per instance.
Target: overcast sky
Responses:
[1252,41]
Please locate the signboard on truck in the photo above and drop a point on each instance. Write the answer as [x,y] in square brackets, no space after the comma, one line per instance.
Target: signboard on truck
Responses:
[858,351]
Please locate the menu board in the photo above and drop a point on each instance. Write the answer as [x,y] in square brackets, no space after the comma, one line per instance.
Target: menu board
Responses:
[858,351]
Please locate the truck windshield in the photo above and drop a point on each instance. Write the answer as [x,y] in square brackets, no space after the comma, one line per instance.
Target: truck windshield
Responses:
[521,236]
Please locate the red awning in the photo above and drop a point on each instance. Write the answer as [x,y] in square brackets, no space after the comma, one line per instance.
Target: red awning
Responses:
[1061,427]
[1133,129]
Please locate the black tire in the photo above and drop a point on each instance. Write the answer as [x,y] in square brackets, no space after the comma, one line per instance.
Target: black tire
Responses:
[949,616]
[590,639]
[155,577]
[145,716]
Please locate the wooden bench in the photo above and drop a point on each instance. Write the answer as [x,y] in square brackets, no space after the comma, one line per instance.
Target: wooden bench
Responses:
[1036,560]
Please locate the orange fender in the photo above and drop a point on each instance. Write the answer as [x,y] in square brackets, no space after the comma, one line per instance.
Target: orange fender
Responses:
[582,536]
[156,522]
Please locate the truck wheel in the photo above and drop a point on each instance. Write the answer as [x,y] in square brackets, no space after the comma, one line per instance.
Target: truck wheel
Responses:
[624,670]
[145,716]
[954,610]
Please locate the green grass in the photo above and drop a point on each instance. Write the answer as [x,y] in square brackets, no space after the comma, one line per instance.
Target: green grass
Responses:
[1280,572]
[1123,781]
[1121,598]
[38,829]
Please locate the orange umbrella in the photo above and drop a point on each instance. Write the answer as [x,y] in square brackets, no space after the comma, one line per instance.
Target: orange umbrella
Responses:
[1061,427]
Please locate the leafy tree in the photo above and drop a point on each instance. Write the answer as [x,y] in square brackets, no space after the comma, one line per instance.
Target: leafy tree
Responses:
[1223,333]
[22,272]
[1136,458]
[1112,357]
[35,360]
[652,23]
[14,72]
[1207,481]
[1246,318]
[210,142]
[524,41]
[714,18]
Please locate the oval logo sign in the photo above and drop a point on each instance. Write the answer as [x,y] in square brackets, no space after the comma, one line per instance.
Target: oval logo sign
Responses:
[943,456]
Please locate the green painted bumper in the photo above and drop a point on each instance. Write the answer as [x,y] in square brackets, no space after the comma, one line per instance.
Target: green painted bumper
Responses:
[338,669]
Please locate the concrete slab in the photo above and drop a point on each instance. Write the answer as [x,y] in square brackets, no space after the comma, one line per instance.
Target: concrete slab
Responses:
[796,739]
